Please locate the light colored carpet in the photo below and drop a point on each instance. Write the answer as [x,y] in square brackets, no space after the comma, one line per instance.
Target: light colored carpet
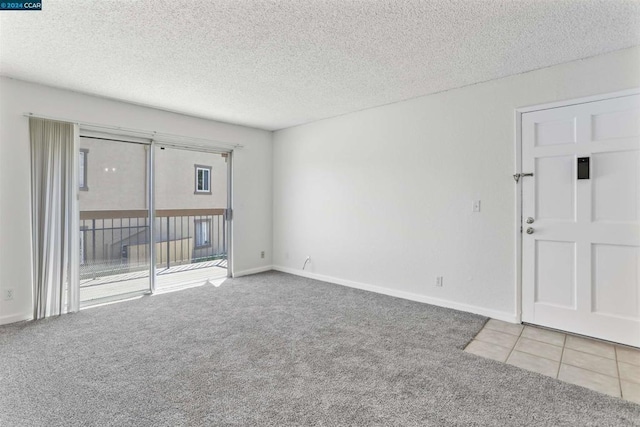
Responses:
[275,349]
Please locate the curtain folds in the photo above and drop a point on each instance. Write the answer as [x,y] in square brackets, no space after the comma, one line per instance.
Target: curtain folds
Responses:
[55,224]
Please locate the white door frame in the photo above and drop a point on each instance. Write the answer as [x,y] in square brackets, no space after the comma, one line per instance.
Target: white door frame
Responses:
[518,162]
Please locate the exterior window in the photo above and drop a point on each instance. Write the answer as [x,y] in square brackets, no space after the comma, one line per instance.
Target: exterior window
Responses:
[203,179]
[82,172]
[203,233]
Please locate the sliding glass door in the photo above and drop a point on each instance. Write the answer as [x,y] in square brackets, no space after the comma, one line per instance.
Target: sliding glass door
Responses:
[190,228]
[115,232]
[120,184]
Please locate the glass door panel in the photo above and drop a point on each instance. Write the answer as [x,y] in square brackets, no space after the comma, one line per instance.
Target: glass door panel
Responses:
[190,227]
[114,220]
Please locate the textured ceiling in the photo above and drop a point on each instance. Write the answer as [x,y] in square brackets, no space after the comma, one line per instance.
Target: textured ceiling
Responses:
[275,64]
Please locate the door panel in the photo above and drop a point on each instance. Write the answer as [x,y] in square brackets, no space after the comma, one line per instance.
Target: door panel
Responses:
[190,227]
[114,220]
[615,280]
[618,124]
[615,186]
[555,273]
[556,132]
[581,267]
[555,189]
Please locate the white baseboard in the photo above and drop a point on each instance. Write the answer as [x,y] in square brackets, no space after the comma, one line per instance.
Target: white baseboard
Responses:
[494,314]
[252,271]
[13,318]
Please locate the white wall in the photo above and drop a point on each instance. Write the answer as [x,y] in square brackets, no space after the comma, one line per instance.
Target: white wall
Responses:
[381,199]
[252,176]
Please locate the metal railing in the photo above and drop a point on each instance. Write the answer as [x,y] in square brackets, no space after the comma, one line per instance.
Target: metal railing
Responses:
[118,241]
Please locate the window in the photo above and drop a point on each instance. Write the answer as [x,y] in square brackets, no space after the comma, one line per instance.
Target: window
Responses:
[203,179]
[82,172]
[203,231]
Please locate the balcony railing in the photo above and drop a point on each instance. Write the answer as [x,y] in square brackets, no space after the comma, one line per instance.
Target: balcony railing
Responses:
[118,241]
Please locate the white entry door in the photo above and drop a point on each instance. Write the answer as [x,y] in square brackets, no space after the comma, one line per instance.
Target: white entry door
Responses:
[581,260]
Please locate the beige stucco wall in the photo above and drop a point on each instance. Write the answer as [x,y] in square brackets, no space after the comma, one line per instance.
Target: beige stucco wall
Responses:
[109,189]
[175,179]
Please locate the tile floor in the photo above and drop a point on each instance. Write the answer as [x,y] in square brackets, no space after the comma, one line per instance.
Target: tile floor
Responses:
[598,365]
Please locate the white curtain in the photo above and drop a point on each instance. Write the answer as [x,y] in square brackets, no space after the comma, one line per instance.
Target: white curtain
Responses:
[55,223]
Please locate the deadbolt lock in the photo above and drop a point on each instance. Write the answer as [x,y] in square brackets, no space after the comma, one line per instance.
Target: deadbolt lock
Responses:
[529,230]
[529,220]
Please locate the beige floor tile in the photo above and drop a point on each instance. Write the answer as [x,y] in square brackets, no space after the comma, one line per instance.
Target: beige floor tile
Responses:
[539,348]
[538,334]
[629,372]
[589,379]
[488,350]
[534,363]
[630,391]
[495,337]
[590,362]
[628,355]
[508,328]
[590,346]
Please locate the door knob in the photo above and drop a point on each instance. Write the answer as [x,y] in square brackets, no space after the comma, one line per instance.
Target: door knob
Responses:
[529,220]
[529,230]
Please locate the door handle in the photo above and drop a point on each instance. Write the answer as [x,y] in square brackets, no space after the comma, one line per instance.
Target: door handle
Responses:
[517,176]
[529,230]
[529,220]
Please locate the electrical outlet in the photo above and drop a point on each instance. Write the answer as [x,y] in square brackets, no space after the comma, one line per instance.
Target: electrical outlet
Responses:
[262,254]
[8,294]
[439,281]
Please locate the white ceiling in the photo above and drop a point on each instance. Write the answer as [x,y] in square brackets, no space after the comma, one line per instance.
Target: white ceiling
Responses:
[272,64]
